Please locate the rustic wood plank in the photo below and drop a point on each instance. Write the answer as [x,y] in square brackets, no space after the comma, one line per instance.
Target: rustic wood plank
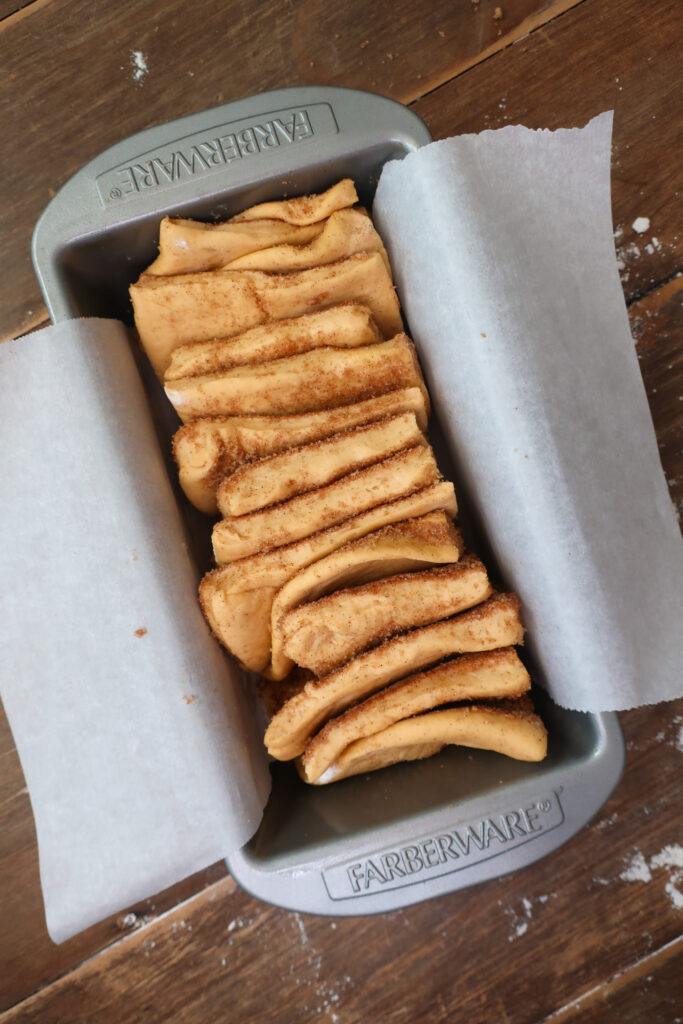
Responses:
[651,990]
[618,54]
[657,325]
[10,7]
[515,950]
[82,95]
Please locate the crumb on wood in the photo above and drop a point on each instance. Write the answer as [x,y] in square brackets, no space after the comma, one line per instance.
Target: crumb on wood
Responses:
[498,14]
[128,920]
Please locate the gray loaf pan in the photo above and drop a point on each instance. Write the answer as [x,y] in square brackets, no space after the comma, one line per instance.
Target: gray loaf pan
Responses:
[413,831]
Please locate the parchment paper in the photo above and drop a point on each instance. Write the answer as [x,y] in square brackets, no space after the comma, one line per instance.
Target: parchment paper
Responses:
[142,755]
[503,254]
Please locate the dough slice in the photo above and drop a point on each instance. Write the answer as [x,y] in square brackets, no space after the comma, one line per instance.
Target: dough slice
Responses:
[304,209]
[344,233]
[510,728]
[170,311]
[237,599]
[430,540]
[325,633]
[392,478]
[297,470]
[345,326]
[469,677]
[495,623]
[207,449]
[302,383]
[189,246]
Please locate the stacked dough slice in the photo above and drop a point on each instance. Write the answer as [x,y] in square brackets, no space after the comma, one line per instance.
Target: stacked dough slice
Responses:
[341,577]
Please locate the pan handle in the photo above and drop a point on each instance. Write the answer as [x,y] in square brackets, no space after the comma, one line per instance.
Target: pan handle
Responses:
[205,164]
[443,851]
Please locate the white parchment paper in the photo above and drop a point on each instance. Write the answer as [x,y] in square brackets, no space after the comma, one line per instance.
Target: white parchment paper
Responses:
[503,254]
[142,755]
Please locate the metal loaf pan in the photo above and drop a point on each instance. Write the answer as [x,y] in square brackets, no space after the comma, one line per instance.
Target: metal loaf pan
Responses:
[370,843]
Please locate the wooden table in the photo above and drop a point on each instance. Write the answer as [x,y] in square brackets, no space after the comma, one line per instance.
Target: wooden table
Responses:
[591,933]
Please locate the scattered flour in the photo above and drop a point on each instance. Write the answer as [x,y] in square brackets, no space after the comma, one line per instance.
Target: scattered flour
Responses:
[302,928]
[671,857]
[674,894]
[138,62]
[673,733]
[641,224]
[520,920]
[678,722]
[636,870]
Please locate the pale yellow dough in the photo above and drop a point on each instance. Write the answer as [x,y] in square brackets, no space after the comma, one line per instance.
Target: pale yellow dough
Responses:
[297,470]
[313,380]
[325,633]
[190,246]
[511,729]
[304,209]
[237,599]
[430,540]
[495,623]
[492,674]
[345,326]
[399,475]
[208,449]
[170,311]
[344,233]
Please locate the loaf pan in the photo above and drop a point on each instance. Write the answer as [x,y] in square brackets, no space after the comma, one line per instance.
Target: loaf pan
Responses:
[410,832]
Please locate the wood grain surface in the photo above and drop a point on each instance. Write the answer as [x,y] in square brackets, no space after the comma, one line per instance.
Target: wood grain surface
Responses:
[8,7]
[70,79]
[651,988]
[629,62]
[592,932]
